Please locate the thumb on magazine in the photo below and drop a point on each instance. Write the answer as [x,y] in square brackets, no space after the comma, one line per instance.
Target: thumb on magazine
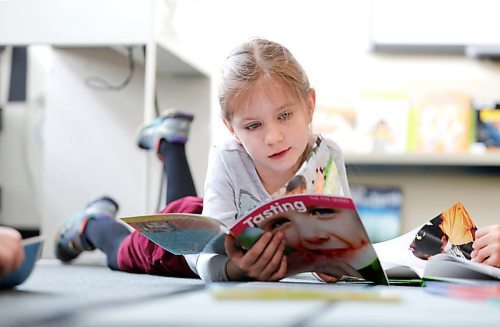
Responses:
[325,277]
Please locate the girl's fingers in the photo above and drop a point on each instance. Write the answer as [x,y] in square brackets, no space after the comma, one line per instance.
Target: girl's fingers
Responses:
[281,272]
[253,255]
[327,278]
[481,254]
[493,260]
[272,265]
[231,249]
[258,262]
[481,242]
[268,253]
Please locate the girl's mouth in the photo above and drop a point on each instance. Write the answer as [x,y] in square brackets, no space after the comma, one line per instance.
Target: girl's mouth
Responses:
[279,155]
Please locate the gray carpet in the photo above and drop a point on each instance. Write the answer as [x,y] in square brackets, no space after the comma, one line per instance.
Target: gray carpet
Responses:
[55,293]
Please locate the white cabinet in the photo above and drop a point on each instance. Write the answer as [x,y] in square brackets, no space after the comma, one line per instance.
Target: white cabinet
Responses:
[89,135]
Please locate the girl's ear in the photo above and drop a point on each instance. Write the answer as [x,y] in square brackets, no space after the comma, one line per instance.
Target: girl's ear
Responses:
[231,130]
[311,103]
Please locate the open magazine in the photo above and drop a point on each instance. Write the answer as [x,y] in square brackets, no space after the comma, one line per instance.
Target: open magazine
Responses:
[437,250]
[323,234]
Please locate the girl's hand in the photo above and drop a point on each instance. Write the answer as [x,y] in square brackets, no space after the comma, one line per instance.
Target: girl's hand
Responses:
[326,277]
[487,246]
[331,272]
[264,261]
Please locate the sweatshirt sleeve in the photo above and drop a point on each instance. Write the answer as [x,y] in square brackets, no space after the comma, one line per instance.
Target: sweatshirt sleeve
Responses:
[219,203]
[210,267]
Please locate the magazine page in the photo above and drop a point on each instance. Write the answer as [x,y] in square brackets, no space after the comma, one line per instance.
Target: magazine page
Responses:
[397,258]
[323,234]
[32,251]
[443,266]
[317,175]
[181,233]
[451,232]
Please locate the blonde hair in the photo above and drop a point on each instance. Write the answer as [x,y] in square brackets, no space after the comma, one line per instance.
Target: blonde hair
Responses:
[257,59]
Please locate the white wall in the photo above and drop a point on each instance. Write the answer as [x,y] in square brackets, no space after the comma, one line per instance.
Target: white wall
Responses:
[330,39]
[90,135]
[21,142]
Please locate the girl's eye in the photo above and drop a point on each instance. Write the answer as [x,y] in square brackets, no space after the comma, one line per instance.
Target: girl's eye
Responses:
[285,115]
[278,222]
[252,126]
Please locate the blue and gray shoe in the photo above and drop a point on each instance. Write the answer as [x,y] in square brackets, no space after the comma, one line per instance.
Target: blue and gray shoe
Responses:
[172,125]
[70,238]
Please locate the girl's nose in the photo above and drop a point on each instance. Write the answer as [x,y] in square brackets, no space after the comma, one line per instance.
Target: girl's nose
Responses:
[273,136]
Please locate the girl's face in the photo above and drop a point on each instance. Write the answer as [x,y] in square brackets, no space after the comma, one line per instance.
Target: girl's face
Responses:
[273,127]
[324,231]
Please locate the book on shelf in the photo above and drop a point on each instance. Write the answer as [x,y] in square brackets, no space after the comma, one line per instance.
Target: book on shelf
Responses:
[380,210]
[382,123]
[32,250]
[337,122]
[487,131]
[438,250]
[442,123]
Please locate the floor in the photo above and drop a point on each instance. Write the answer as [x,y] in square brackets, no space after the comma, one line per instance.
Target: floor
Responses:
[92,295]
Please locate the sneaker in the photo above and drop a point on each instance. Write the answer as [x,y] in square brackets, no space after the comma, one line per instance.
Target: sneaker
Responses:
[172,125]
[70,240]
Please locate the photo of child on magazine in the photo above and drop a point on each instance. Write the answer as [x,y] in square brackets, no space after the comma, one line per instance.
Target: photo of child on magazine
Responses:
[322,233]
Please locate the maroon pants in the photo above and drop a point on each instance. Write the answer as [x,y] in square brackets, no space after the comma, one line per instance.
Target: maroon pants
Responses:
[137,254]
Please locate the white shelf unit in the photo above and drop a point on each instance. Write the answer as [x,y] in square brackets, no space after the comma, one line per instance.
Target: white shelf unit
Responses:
[81,33]
[429,160]
[432,183]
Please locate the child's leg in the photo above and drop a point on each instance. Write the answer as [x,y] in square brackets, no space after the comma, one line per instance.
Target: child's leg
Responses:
[178,174]
[168,135]
[94,227]
[106,235]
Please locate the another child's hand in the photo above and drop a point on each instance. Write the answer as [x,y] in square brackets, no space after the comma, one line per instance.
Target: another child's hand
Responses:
[487,246]
[265,261]
[11,250]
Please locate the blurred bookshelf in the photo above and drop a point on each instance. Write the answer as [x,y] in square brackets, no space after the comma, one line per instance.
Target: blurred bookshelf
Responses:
[418,159]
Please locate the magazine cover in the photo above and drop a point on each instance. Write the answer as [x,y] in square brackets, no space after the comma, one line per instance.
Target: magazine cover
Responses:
[323,234]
